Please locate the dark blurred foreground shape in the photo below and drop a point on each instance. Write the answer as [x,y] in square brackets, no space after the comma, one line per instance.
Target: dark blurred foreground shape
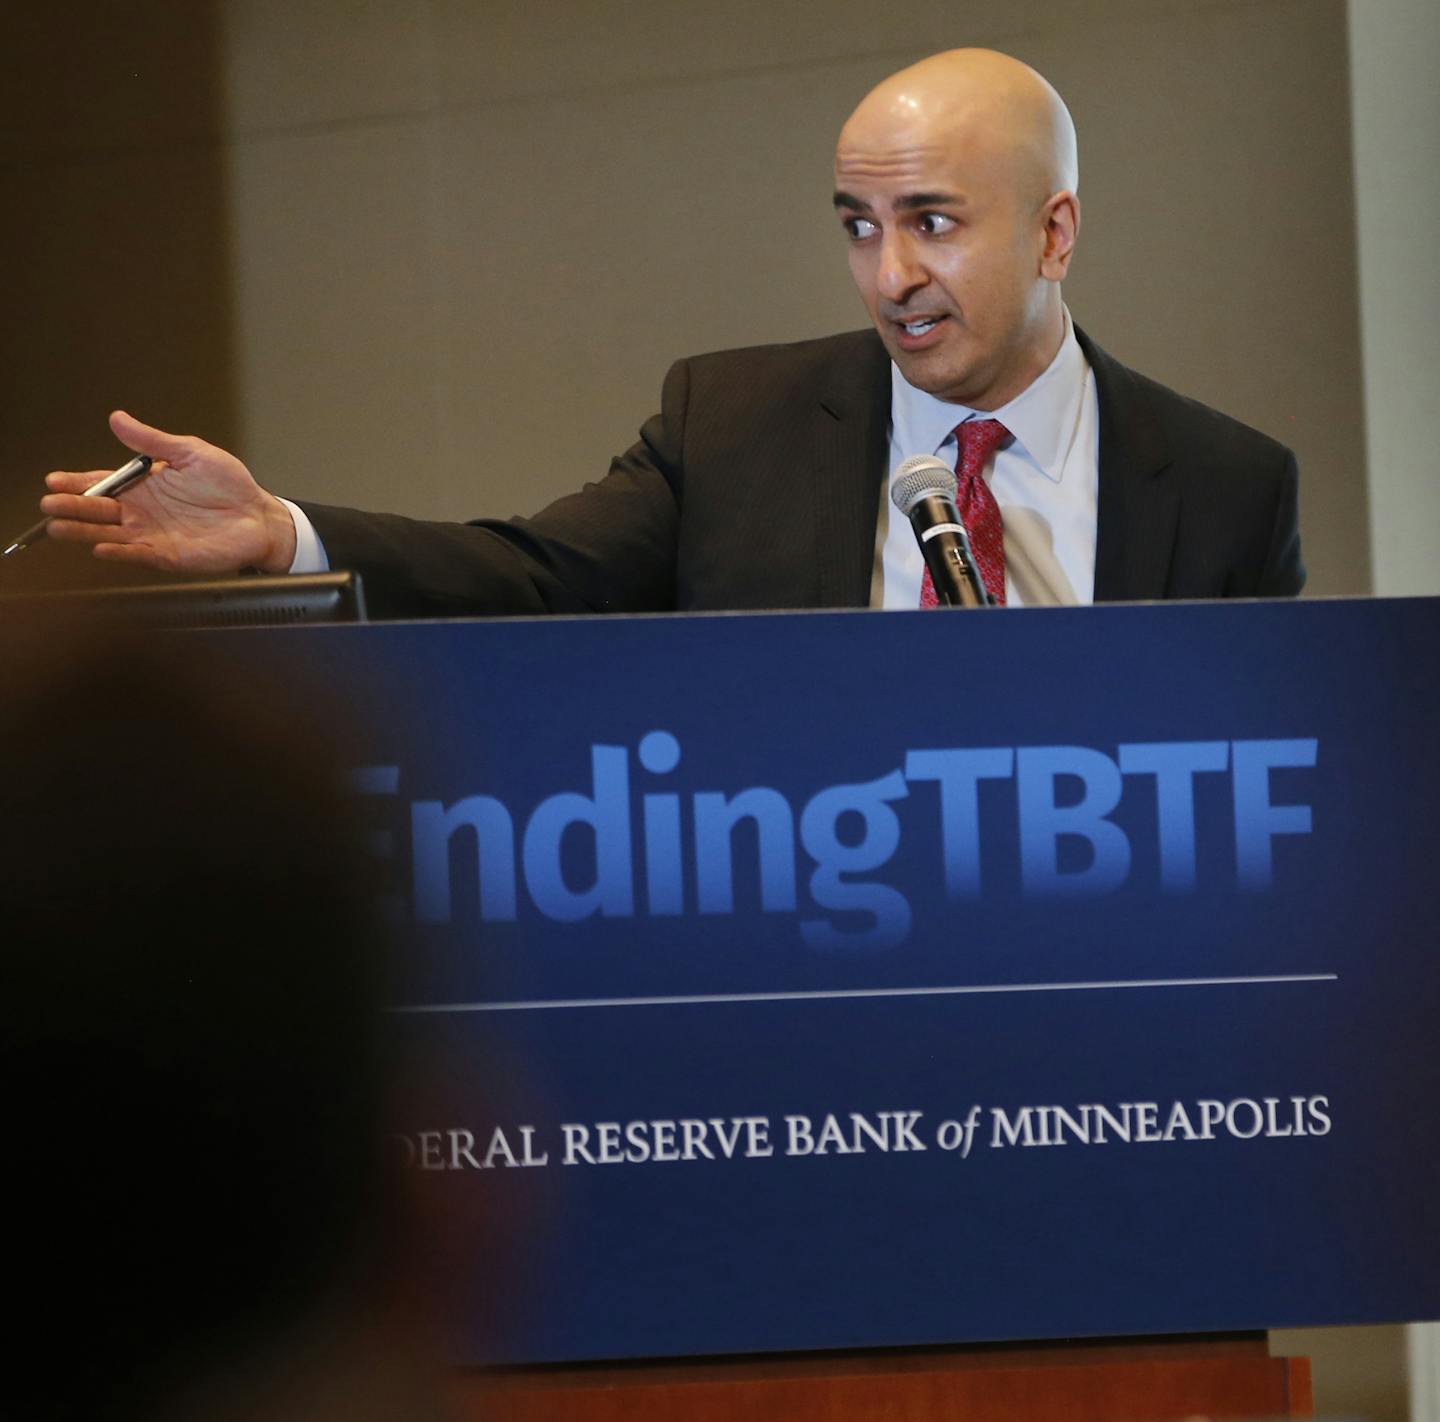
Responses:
[199,1220]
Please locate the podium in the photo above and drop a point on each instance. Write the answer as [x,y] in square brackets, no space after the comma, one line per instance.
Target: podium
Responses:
[832,1005]
[1214,1377]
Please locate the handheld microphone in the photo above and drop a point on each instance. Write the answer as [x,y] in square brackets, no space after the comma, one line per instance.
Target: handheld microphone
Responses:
[923,489]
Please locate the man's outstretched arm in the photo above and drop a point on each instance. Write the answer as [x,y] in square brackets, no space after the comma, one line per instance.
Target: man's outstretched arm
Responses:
[610,547]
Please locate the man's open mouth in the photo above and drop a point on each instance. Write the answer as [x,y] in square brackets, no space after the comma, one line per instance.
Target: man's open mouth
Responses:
[919,333]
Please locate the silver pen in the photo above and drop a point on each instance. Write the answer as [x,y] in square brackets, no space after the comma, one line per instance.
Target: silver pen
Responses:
[106,488]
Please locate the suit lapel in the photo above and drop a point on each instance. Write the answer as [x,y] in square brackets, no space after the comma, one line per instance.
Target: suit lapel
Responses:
[1139,499]
[853,420]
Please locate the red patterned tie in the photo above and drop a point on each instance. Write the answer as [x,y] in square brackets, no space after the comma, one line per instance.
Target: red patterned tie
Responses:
[978,510]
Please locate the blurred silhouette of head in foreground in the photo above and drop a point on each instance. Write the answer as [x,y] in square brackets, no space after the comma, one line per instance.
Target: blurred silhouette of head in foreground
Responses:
[191,1002]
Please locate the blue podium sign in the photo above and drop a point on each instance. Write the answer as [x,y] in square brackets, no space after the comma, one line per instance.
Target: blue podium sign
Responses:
[837,979]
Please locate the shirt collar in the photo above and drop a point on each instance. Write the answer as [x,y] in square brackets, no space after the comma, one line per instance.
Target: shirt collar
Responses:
[1041,417]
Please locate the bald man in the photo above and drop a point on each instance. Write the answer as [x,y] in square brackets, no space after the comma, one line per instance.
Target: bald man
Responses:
[760,484]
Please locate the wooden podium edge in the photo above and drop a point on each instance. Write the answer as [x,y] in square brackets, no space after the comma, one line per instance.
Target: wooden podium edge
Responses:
[1217,1376]
[1301,1387]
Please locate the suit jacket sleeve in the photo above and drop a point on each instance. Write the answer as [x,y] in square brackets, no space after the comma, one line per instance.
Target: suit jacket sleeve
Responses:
[611,547]
[1283,573]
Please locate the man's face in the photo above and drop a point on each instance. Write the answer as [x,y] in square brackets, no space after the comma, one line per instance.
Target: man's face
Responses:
[946,250]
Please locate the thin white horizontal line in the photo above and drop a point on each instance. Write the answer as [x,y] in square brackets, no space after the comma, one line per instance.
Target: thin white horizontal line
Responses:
[569,1002]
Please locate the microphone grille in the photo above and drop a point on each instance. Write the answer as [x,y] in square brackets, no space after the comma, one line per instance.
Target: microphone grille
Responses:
[917,478]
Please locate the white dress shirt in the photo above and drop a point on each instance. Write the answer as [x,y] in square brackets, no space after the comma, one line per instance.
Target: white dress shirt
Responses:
[310,555]
[1046,481]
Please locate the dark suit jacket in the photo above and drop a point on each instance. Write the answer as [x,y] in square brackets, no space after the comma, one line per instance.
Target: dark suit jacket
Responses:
[757,486]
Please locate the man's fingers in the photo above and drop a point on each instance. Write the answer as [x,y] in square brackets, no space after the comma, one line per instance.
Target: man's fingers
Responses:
[66,481]
[146,439]
[63,481]
[75,506]
[69,530]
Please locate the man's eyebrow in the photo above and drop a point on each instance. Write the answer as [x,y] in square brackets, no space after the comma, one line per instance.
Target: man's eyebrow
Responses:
[911,202]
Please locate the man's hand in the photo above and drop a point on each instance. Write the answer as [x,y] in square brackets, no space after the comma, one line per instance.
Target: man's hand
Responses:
[198,510]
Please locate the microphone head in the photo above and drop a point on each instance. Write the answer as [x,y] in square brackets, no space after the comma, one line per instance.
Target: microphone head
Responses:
[919,477]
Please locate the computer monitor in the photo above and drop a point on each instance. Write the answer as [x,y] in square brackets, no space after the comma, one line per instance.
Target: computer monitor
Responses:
[230,602]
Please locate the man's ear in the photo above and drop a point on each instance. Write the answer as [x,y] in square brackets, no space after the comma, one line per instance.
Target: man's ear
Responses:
[1061,224]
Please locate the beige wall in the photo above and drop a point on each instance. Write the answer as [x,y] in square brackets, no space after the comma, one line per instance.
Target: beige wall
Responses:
[468,240]
[435,255]
[115,254]
[1396,46]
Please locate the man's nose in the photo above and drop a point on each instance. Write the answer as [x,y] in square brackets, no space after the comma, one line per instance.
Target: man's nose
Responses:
[900,272]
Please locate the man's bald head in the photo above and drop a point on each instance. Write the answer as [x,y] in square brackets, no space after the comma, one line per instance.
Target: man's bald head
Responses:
[955,179]
[972,97]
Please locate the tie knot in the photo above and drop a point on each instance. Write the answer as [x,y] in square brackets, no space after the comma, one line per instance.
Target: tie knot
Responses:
[979,439]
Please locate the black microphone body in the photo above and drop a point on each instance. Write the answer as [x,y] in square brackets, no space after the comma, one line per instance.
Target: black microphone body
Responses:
[923,488]
[945,547]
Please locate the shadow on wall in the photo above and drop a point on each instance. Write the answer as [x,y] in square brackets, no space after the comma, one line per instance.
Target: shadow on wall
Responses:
[117,281]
